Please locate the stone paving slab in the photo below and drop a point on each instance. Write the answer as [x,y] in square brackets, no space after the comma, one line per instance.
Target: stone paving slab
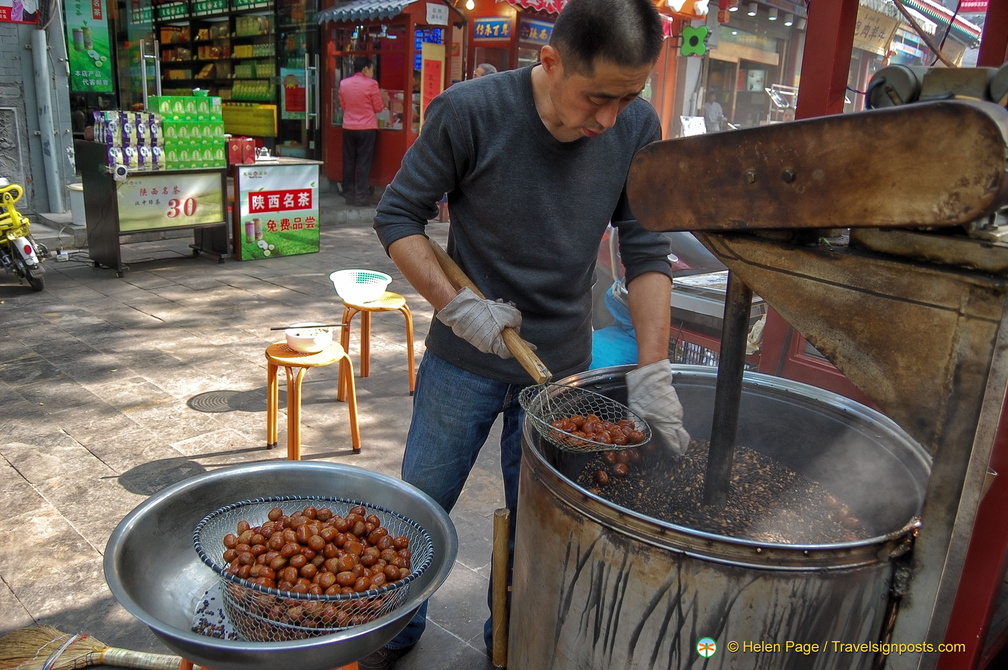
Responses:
[114,388]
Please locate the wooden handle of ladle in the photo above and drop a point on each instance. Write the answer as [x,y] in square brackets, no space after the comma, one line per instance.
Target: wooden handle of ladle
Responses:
[518,347]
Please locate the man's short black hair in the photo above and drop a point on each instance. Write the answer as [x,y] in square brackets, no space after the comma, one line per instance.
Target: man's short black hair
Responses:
[627,33]
[360,63]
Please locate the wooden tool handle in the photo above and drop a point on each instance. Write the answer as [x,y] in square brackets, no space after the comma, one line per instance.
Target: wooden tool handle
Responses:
[518,347]
[499,561]
[127,658]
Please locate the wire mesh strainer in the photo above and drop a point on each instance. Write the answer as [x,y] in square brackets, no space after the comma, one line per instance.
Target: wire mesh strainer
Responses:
[560,413]
[547,403]
[263,614]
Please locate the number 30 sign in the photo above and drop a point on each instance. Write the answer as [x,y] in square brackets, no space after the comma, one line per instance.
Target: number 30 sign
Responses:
[170,200]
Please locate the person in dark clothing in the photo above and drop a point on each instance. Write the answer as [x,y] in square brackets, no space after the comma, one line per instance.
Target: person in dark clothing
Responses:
[535,163]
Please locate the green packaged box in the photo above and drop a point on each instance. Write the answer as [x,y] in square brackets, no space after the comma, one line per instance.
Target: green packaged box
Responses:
[174,128]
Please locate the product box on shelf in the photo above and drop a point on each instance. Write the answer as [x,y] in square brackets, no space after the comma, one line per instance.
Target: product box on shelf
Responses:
[185,104]
[187,154]
[234,151]
[241,151]
[144,141]
[128,137]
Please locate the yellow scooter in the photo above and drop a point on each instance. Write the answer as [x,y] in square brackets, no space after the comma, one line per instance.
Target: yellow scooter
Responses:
[19,252]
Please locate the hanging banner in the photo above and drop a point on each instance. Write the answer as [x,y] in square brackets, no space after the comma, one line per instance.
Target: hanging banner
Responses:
[88,46]
[431,75]
[19,11]
[293,94]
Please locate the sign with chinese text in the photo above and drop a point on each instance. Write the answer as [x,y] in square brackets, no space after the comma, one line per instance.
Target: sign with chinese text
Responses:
[431,75]
[278,210]
[456,56]
[873,31]
[19,11]
[293,94]
[491,28]
[167,199]
[88,46]
[973,6]
[531,31]
[437,15]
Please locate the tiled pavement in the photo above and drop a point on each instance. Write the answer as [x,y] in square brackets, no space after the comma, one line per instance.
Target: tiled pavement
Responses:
[113,388]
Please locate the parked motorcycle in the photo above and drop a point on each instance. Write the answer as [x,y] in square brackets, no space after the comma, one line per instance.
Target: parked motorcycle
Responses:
[19,253]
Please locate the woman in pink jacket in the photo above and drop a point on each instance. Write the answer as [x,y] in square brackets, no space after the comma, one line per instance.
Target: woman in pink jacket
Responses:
[361,100]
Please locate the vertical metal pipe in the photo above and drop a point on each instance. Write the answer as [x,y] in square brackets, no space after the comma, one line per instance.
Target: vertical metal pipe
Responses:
[728,391]
[47,128]
[143,70]
[155,58]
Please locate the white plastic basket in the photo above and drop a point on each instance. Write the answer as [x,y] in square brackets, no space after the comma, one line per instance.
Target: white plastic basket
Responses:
[360,286]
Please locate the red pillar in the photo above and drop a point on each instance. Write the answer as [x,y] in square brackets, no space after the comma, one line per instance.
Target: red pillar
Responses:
[994,41]
[829,44]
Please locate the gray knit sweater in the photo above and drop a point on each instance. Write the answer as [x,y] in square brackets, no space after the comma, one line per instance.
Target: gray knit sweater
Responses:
[527,213]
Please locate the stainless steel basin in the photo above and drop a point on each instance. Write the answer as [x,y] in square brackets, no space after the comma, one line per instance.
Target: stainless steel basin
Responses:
[156,574]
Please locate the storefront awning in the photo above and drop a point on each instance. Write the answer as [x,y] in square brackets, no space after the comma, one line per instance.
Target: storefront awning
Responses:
[547,6]
[363,10]
[685,9]
[962,30]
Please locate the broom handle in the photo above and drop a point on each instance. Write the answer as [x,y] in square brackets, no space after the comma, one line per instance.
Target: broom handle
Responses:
[144,660]
[518,347]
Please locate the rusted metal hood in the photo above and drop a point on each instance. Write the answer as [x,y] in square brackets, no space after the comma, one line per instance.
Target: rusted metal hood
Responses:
[928,164]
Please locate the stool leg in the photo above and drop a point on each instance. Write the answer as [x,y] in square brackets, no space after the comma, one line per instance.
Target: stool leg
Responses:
[410,361]
[341,382]
[294,377]
[272,405]
[365,344]
[346,368]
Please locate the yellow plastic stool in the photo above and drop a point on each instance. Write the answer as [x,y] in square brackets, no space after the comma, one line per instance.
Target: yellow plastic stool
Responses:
[388,302]
[296,364]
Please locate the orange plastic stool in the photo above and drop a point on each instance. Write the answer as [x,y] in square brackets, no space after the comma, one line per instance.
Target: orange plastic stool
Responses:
[296,364]
[388,302]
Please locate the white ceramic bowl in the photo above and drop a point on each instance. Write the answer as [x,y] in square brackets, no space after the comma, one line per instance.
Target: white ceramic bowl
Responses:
[308,338]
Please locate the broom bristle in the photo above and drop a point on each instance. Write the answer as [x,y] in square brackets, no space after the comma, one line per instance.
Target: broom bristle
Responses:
[28,648]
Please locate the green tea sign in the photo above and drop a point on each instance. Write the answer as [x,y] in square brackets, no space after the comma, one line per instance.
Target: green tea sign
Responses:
[170,199]
[278,210]
[88,46]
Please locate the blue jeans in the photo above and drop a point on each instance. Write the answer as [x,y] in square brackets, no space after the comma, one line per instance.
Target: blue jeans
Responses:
[453,411]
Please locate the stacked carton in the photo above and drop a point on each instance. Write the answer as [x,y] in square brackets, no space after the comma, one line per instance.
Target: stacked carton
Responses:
[132,139]
[193,130]
[177,133]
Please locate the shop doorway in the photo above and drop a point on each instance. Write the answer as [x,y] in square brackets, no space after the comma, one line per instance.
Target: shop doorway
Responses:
[499,58]
[752,99]
[722,77]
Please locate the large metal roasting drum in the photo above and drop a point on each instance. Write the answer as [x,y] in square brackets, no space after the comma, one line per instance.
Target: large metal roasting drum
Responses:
[601,586]
[156,574]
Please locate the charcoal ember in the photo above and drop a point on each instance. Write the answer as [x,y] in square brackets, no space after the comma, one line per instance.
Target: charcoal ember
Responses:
[766,502]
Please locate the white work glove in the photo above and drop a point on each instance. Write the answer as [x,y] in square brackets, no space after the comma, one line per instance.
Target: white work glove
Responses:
[651,395]
[479,321]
